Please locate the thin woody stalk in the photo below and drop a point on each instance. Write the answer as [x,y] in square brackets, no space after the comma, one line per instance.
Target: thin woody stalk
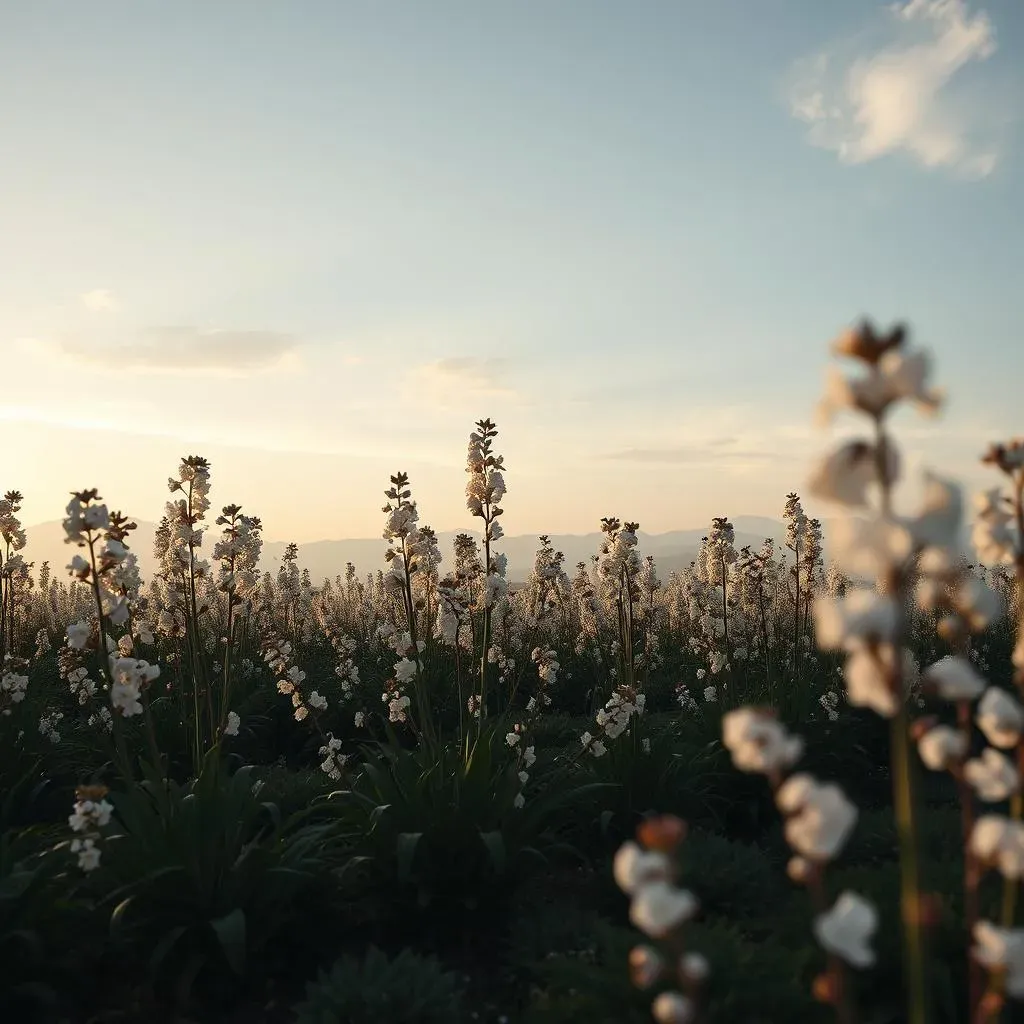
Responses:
[902,766]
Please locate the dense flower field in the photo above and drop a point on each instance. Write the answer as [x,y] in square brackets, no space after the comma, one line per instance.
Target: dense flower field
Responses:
[766,788]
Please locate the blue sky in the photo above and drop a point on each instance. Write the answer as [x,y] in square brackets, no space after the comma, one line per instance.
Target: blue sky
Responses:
[315,241]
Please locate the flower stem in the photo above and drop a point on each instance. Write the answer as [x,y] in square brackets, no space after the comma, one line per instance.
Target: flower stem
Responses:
[905,809]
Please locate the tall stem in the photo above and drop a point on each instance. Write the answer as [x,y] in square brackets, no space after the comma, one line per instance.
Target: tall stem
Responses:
[904,802]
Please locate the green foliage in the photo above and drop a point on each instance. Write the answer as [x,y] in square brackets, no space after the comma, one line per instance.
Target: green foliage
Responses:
[554,915]
[756,978]
[874,839]
[672,776]
[203,876]
[408,989]
[590,983]
[442,824]
[732,878]
[28,900]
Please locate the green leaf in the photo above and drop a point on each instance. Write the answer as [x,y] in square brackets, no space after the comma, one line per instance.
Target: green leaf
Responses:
[405,851]
[117,915]
[495,844]
[164,947]
[230,931]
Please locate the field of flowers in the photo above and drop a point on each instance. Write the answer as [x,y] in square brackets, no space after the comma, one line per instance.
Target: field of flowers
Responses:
[766,788]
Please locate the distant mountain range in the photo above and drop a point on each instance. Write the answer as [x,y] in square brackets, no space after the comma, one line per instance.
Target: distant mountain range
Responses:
[327,558]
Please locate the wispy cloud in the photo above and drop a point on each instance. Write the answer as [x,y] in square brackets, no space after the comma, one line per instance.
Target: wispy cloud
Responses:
[99,300]
[892,90]
[451,383]
[714,450]
[182,350]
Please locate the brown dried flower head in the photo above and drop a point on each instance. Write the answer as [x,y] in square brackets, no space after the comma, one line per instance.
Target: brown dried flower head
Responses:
[664,833]
[864,343]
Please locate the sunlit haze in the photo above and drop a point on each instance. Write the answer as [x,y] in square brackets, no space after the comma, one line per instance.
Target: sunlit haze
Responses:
[315,241]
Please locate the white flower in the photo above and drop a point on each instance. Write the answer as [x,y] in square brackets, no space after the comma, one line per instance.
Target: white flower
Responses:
[88,853]
[993,776]
[633,867]
[90,814]
[867,679]
[694,966]
[1000,718]
[941,746]
[645,966]
[78,635]
[519,801]
[846,929]
[405,670]
[999,842]
[231,729]
[1001,950]
[819,818]
[96,517]
[758,742]
[658,907]
[978,604]
[710,694]
[938,523]
[845,475]
[991,536]
[869,547]
[954,679]
[672,1008]
[360,719]
[860,615]
[896,375]
[78,566]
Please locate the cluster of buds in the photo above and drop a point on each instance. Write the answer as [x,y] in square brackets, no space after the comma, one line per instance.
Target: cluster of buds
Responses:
[238,552]
[91,813]
[647,872]
[484,492]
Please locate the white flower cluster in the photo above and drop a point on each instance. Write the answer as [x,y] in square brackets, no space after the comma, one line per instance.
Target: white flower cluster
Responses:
[818,822]
[129,676]
[238,552]
[13,682]
[485,490]
[333,761]
[91,813]
[49,725]
[614,719]
[646,872]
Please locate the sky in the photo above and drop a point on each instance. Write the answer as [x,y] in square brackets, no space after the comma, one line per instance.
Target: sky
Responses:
[316,241]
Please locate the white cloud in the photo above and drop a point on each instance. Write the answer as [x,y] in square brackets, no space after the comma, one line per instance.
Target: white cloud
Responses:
[99,300]
[452,383]
[893,90]
[181,350]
